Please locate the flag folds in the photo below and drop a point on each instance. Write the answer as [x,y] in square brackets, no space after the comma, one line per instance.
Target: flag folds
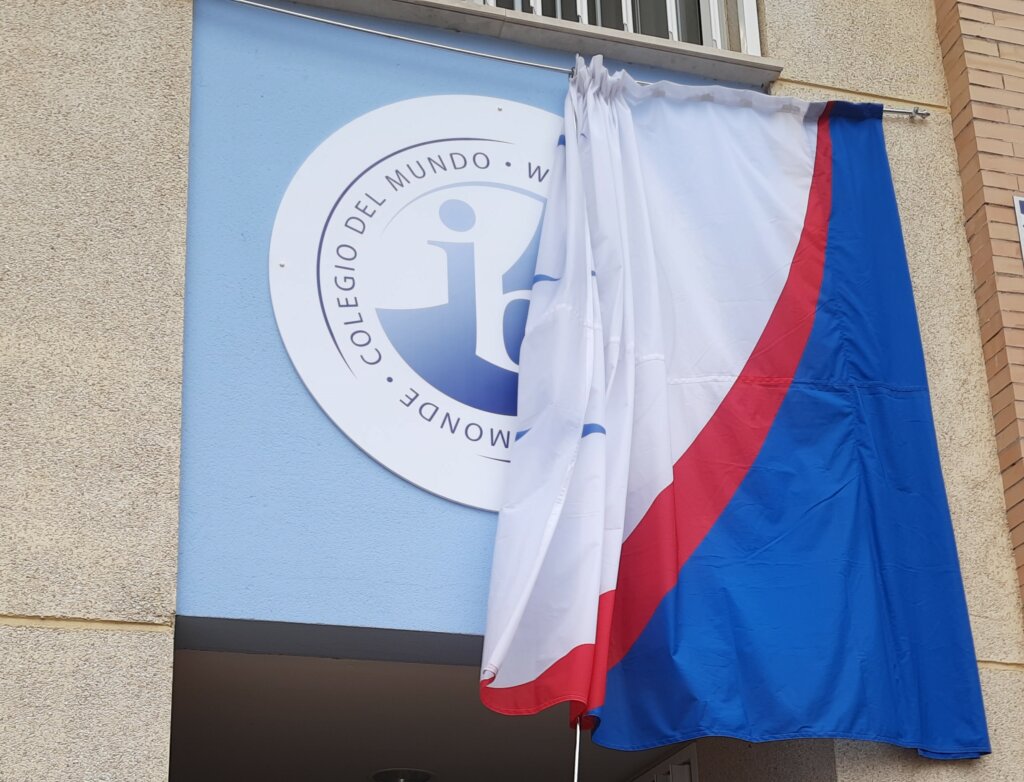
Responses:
[725,513]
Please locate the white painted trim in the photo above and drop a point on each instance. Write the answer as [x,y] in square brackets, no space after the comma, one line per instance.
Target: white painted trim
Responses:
[1018,210]
[672,10]
[750,31]
[566,36]
[711,26]
[627,16]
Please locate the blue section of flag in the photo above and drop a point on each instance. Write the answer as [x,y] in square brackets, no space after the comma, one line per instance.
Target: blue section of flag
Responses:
[826,601]
[593,429]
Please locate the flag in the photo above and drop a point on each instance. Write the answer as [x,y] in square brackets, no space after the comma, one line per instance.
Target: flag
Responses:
[725,513]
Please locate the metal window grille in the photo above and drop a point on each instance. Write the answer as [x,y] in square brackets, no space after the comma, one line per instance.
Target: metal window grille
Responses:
[725,24]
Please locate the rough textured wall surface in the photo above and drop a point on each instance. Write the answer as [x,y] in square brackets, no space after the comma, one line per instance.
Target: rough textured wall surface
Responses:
[84,705]
[983,54]
[889,52]
[870,47]
[93,175]
[731,760]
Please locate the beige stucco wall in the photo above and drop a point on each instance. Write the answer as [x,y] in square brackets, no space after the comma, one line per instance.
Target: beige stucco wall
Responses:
[93,122]
[878,49]
[84,704]
[731,760]
[93,168]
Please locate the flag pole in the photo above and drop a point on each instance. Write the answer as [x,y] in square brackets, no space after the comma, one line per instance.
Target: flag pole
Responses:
[576,764]
[915,113]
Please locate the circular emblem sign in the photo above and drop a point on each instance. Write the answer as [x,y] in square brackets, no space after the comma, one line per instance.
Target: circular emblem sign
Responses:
[400,269]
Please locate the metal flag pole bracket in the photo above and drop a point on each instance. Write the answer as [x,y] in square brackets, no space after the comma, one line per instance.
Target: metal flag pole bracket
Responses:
[914,113]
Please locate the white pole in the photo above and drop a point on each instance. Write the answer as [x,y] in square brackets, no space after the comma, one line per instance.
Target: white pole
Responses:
[576,765]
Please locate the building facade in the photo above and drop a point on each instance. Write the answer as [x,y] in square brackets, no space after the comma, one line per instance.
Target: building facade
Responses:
[179,514]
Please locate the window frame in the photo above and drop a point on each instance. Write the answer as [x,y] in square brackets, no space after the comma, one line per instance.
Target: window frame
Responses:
[713,16]
[558,35]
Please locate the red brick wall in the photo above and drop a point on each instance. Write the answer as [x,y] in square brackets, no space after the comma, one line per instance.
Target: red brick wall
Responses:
[983,55]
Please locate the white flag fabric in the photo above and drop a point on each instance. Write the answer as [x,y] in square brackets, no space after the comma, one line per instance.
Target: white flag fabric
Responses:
[598,434]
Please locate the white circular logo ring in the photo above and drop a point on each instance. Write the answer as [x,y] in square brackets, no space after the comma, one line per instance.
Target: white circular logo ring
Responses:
[401,264]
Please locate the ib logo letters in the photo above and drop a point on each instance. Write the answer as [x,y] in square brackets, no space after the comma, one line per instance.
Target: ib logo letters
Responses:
[401,263]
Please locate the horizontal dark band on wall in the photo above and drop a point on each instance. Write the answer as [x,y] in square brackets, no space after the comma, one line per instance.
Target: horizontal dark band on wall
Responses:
[309,640]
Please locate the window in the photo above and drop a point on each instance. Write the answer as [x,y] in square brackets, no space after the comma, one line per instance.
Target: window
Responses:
[724,24]
[681,767]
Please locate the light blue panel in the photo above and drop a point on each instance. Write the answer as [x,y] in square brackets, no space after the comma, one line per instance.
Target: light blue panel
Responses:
[282,518]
